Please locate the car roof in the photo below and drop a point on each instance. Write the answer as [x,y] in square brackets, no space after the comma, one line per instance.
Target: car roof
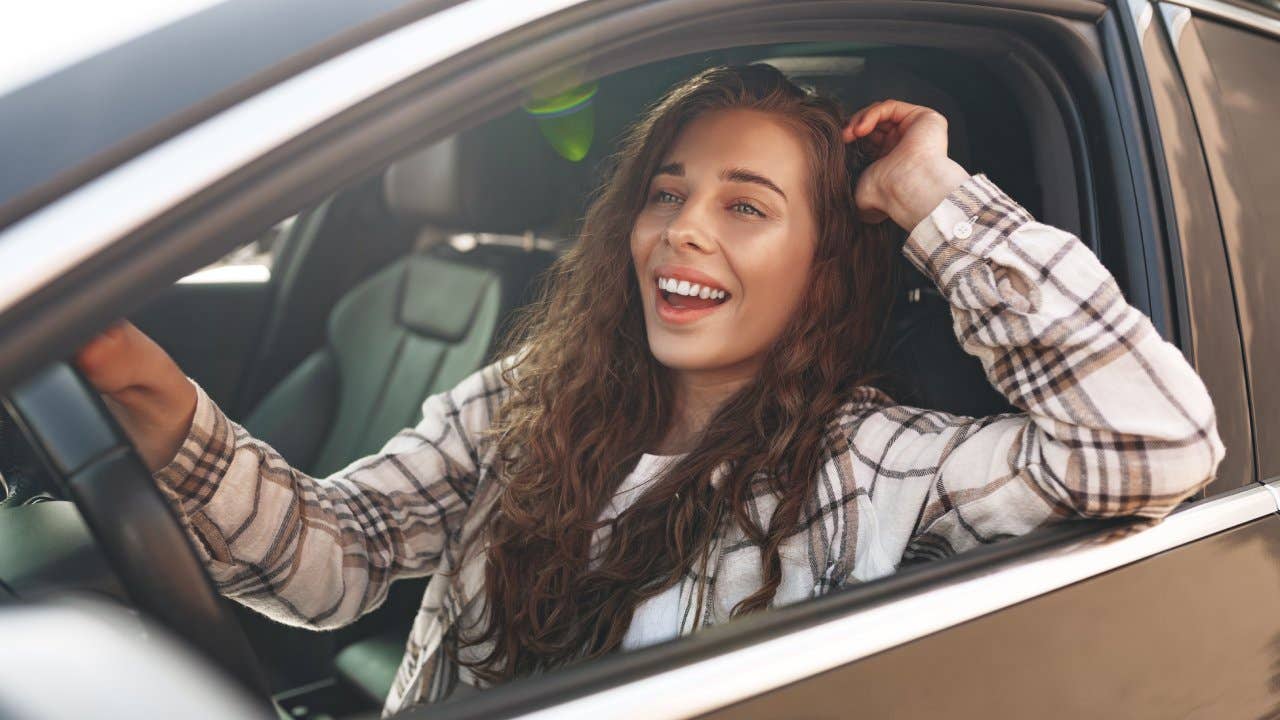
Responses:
[39,41]
[64,125]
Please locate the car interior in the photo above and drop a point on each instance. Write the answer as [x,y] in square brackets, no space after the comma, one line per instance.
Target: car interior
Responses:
[401,284]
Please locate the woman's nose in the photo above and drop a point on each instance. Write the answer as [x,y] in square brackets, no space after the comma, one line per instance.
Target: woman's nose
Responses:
[686,231]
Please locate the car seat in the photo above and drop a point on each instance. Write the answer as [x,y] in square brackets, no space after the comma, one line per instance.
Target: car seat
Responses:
[422,323]
[476,202]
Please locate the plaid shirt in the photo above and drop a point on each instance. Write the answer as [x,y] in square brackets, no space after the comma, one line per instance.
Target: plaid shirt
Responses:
[1114,422]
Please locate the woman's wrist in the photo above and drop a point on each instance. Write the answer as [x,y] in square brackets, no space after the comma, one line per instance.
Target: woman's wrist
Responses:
[915,190]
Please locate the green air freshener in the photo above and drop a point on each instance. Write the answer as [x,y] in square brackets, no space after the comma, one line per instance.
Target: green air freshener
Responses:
[567,120]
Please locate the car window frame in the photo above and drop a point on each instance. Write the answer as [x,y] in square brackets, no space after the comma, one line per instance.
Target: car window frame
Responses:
[1210,332]
[209,220]
[1201,84]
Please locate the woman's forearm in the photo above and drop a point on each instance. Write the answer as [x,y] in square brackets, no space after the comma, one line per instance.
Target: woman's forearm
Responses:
[1119,423]
[320,552]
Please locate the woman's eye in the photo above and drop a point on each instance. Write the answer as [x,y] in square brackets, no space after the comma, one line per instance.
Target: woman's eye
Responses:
[664,197]
[746,208]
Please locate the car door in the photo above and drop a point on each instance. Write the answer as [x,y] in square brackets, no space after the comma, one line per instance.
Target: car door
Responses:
[1171,621]
[1097,618]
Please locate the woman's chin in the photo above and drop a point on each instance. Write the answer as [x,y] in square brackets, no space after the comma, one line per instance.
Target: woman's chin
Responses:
[677,354]
[689,354]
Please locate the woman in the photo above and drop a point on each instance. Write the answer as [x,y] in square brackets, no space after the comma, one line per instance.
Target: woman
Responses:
[688,430]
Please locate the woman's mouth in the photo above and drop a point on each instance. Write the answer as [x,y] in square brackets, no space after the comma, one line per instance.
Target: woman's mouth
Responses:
[680,301]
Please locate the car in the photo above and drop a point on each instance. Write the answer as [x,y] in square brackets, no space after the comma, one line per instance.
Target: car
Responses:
[305,202]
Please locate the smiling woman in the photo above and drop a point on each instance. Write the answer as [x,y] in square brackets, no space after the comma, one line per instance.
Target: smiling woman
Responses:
[639,468]
[713,212]
[740,180]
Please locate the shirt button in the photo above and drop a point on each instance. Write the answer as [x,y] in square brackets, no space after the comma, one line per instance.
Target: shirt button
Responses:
[962,230]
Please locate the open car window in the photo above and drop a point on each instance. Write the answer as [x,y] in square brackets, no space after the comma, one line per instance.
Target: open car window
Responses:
[365,214]
[455,203]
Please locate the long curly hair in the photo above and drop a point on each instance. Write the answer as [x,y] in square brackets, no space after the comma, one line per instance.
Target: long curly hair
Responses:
[588,398]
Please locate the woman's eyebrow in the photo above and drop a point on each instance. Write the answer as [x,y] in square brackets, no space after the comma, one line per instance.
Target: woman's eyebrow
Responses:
[747,176]
[672,168]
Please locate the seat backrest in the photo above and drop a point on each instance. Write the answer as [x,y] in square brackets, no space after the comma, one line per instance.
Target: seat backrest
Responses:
[423,323]
[926,366]
[415,328]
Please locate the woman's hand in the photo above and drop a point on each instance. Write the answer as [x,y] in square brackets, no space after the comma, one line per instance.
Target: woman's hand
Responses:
[911,173]
[144,388]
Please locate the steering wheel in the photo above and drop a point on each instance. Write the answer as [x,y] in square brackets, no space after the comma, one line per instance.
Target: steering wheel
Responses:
[92,463]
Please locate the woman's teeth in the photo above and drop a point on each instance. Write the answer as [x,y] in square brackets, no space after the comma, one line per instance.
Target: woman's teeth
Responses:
[684,287]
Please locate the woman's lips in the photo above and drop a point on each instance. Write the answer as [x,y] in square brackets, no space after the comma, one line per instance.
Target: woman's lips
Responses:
[680,316]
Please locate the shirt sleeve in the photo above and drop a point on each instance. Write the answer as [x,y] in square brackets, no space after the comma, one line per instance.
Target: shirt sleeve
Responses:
[320,552]
[1115,421]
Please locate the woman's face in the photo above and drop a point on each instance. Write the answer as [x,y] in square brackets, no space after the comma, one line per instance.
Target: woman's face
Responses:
[728,211]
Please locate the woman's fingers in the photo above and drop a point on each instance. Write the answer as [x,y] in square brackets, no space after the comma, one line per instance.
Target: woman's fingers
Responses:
[899,138]
[882,139]
[875,115]
[863,121]
[868,118]
[104,360]
[854,129]
[121,358]
[145,390]
[850,128]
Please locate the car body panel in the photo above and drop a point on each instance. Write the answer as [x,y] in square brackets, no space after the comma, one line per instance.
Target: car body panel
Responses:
[856,626]
[1172,636]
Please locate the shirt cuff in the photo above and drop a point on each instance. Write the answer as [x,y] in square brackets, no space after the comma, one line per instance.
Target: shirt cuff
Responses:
[970,223]
[192,476]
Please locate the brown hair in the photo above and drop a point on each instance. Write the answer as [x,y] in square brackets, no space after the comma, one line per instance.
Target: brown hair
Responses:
[588,398]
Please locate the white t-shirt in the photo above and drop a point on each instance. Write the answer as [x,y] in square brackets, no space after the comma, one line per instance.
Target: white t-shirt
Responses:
[658,618]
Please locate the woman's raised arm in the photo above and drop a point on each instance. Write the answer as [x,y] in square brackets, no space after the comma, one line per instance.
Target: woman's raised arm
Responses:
[1116,422]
